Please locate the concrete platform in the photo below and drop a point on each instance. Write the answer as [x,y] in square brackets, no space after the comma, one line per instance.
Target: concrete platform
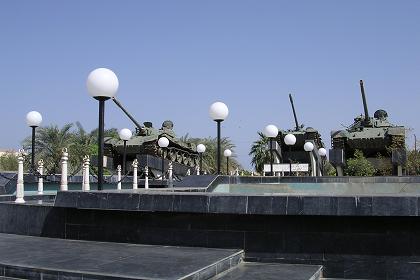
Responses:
[30,257]
[267,271]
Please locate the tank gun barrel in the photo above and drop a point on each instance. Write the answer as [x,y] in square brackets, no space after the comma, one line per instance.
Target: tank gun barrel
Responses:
[294,112]
[127,113]
[362,89]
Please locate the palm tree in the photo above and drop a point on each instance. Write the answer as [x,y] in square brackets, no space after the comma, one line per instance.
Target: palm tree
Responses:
[210,157]
[260,153]
[50,141]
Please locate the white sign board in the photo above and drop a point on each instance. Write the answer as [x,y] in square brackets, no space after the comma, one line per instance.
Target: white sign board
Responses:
[285,167]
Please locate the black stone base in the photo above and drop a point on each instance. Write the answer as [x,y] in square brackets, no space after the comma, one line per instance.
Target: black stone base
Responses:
[44,258]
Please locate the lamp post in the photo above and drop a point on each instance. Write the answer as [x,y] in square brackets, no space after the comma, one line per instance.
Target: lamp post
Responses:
[323,153]
[227,153]
[102,84]
[290,140]
[218,112]
[125,135]
[33,119]
[309,147]
[271,131]
[200,150]
[163,142]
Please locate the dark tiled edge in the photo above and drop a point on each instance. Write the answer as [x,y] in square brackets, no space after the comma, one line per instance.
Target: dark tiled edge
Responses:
[199,202]
[228,204]
[14,271]
[318,274]
[216,268]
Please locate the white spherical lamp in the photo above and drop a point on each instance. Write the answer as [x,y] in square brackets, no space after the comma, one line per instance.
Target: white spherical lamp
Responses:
[308,147]
[227,153]
[322,152]
[290,139]
[201,148]
[218,111]
[271,131]
[125,134]
[33,119]
[163,142]
[102,83]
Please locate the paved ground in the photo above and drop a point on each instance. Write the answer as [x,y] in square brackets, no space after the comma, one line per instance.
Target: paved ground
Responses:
[250,271]
[112,259]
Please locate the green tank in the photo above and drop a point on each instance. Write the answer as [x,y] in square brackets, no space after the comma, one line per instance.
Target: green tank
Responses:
[145,143]
[302,135]
[375,136]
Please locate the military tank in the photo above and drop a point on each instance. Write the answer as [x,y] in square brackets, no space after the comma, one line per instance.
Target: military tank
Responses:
[144,146]
[376,137]
[296,152]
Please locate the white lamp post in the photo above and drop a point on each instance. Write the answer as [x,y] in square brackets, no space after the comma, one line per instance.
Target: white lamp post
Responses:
[102,84]
[290,140]
[309,147]
[163,142]
[323,153]
[33,119]
[125,135]
[200,150]
[218,112]
[227,153]
[271,131]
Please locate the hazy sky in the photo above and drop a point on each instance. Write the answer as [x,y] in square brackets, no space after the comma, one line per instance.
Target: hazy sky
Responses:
[174,58]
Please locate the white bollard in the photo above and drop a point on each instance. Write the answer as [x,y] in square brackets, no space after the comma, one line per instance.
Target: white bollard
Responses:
[20,185]
[170,175]
[119,177]
[146,177]
[135,165]
[64,159]
[40,179]
[237,172]
[83,174]
[86,183]
[188,172]
[197,170]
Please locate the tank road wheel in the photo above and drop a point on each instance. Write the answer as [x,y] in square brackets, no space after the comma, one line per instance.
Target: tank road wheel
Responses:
[184,158]
[172,155]
[178,157]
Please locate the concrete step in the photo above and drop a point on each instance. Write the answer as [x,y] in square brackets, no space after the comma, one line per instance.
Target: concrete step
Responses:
[269,271]
[27,257]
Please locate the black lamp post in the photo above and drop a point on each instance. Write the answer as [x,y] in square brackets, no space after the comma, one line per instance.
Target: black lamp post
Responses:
[290,140]
[271,131]
[33,119]
[200,150]
[227,153]
[125,135]
[163,143]
[102,84]
[218,112]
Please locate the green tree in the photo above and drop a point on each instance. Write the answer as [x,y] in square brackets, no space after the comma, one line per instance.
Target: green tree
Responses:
[260,153]
[413,163]
[8,162]
[210,158]
[359,166]
[51,140]
[329,169]
[49,143]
